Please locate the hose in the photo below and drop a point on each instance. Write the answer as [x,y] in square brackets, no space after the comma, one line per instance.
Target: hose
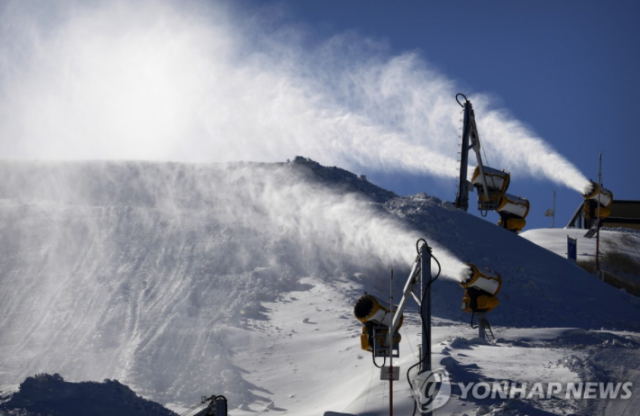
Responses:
[465,98]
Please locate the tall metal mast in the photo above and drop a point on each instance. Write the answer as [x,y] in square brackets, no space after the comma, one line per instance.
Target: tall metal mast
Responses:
[462,198]
[470,141]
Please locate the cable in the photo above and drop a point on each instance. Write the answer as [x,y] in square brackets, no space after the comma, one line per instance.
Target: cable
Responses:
[490,331]
[406,334]
[373,358]
[418,244]
[485,157]
[368,391]
[439,270]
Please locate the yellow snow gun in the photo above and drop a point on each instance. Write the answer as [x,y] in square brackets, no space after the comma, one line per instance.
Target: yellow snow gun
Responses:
[376,319]
[481,290]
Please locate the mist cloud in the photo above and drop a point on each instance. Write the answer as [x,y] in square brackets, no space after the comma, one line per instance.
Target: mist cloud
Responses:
[196,81]
[132,270]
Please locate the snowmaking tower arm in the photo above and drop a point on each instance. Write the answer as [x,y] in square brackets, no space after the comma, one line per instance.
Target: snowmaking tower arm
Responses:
[413,280]
[491,183]
[381,324]
[470,140]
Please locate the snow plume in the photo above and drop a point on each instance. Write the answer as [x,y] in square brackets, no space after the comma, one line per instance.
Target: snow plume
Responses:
[199,81]
[137,270]
[519,149]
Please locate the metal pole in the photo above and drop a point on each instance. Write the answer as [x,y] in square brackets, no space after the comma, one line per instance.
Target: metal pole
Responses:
[482,324]
[390,349]
[425,279]
[462,199]
[598,220]
[553,221]
[425,267]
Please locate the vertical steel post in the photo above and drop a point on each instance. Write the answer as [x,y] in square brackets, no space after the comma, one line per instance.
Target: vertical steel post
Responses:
[425,267]
[482,326]
[598,220]
[553,221]
[425,279]
[390,349]
[462,199]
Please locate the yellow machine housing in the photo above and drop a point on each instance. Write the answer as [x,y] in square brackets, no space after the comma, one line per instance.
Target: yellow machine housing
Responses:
[484,303]
[597,194]
[381,338]
[497,183]
[481,289]
[487,281]
[512,224]
[514,205]
[369,309]
[513,210]
[373,315]
[590,210]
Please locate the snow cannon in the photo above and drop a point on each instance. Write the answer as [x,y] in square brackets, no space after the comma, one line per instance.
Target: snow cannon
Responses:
[497,182]
[597,194]
[481,289]
[376,319]
[513,210]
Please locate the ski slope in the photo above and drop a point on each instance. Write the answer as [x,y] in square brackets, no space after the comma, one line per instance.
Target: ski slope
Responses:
[184,280]
[555,240]
[619,249]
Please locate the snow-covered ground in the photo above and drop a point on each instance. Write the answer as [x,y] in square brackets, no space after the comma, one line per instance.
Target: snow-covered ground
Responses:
[240,279]
[555,240]
[619,250]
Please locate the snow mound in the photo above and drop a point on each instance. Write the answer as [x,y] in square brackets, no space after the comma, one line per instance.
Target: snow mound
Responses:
[51,395]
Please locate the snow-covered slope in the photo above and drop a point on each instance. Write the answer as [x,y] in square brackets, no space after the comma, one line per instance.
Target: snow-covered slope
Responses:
[619,252]
[239,279]
[555,240]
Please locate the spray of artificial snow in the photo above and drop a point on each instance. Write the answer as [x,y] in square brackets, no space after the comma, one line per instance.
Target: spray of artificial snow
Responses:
[131,270]
[160,80]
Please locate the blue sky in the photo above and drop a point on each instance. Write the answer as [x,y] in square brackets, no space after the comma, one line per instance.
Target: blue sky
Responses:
[569,70]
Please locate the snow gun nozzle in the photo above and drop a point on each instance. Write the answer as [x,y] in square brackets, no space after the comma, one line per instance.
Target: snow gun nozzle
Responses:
[589,189]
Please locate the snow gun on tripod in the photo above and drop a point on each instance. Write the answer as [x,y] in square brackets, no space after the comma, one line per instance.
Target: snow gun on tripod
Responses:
[480,295]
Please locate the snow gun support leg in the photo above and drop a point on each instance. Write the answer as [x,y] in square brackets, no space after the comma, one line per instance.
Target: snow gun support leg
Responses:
[483,326]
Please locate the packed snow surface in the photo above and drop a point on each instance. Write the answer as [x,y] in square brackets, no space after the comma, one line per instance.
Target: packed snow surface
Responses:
[555,240]
[184,280]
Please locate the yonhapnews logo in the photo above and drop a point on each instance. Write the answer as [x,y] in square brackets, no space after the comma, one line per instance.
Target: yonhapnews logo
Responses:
[432,390]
